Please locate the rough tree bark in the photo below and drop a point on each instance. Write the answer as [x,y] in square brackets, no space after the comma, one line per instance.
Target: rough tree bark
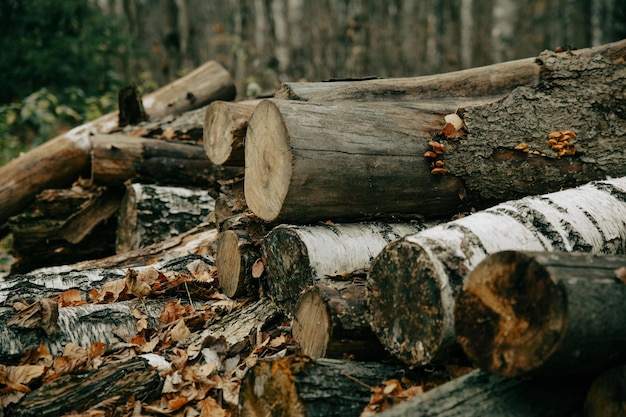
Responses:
[298,256]
[543,313]
[60,161]
[151,213]
[480,394]
[308,161]
[117,158]
[333,322]
[423,272]
[225,127]
[300,386]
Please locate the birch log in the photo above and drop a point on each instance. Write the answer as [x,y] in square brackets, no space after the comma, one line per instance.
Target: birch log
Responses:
[317,161]
[543,313]
[333,322]
[298,256]
[479,394]
[60,161]
[225,127]
[151,213]
[423,272]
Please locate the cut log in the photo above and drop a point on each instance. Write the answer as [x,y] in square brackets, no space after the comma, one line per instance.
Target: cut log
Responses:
[236,255]
[423,272]
[480,394]
[296,257]
[60,161]
[543,313]
[607,395]
[71,394]
[225,127]
[118,158]
[65,226]
[340,160]
[151,213]
[488,80]
[333,322]
[300,386]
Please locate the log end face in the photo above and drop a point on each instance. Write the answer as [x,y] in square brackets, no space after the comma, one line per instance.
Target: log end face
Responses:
[268,162]
[229,266]
[312,324]
[405,303]
[510,315]
[218,139]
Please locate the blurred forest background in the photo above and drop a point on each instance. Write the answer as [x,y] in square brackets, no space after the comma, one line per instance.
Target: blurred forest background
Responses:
[62,61]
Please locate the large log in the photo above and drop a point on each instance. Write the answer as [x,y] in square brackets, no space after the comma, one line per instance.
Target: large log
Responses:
[151,213]
[60,161]
[298,386]
[333,322]
[318,161]
[298,256]
[479,394]
[225,127]
[118,158]
[549,313]
[424,272]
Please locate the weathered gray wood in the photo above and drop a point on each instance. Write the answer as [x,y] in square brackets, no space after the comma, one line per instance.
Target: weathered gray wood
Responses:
[480,394]
[425,271]
[543,313]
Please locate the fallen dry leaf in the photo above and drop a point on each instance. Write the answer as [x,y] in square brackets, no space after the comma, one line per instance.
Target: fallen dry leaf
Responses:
[620,273]
[71,297]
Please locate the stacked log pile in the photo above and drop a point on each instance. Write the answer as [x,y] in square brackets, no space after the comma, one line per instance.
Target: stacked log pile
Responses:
[336,250]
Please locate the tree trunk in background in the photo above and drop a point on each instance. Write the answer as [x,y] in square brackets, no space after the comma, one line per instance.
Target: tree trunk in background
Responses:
[270,41]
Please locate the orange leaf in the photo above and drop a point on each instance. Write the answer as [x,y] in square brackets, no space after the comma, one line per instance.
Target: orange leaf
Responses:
[71,297]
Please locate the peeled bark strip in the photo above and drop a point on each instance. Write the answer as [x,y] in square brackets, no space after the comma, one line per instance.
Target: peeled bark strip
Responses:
[423,272]
[549,313]
[298,256]
[298,386]
[117,158]
[333,322]
[151,213]
[60,161]
[482,81]
[236,254]
[480,394]
[333,160]
[607,395]
[225,127]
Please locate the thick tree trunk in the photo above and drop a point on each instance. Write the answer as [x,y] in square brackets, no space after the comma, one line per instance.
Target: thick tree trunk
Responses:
[490,80]
[300,386]
[548,313]
[307,161]
[117,158]
[298,256]
[112,385]
[480,394]
[334,322]
[235,258]
[225,127]
[423,272]
[151,213]
[60,161]
[607,395]
[65,226]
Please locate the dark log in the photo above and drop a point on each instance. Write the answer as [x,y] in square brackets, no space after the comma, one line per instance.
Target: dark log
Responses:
[333,322]
[480,394]
[60,161]
[71,394]
[235,257]
[150,214]
[296,257]
[225,127]
[65,226]
[118,158]
[413,281]
[130,107]
[607,395]
[339,160]
[300,386]
[549,313]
